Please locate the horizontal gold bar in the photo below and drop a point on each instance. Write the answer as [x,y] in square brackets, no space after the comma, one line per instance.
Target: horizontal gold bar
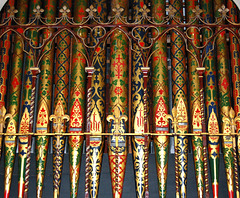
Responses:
[118,134]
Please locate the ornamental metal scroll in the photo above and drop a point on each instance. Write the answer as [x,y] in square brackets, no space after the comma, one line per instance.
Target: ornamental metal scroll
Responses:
[118,23]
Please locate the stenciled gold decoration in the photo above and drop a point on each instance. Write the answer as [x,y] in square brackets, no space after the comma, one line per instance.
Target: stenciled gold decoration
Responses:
[230,123]
[123,40]
[59,118]
[176,119]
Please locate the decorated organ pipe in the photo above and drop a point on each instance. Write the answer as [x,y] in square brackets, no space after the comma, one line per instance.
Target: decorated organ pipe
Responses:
[179,88]
[211,100]
[224,96]
[117,151]
[235,63]
[27,105]
[194,97]
[60,95]
[44,99]
[99,75]
[77,99]
[98,100]
[5,62]
[160,98]
[14,96]
[139,103]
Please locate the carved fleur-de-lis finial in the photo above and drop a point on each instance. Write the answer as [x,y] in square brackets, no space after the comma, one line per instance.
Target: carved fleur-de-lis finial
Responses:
[223,10]
[3,117]
[91,10]
[197,11]
[118,10]
[230,118]
[58,117]
[64,10]
[171,11]
[117,120]
[144,11]
[176,119]
[12,11]
[38,11]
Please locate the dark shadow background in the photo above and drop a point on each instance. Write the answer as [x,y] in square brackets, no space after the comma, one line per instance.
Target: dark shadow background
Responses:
[105,182]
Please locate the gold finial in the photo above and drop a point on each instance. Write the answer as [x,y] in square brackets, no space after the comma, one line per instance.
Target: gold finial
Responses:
[117,120]
[91,10]
[223,10]
[118,10]
[64,10]
[171,11]
[144,11]
[12,11]
[38,11]
[197,11]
